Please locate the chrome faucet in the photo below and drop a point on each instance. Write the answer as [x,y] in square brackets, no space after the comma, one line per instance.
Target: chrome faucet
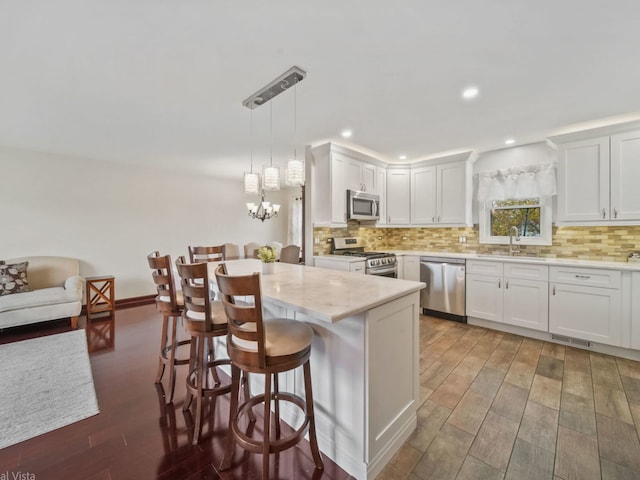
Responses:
[513,231]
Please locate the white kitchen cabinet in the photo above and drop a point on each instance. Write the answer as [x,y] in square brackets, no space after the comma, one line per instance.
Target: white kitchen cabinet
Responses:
[635,310]
[597,178]
[625,172]
[360,176]
[334,170]
[381,186]
[340,264]
[338,189]
[515,294]
[439,194]
[398,196]
[484,297]
[586,304]
[410,267]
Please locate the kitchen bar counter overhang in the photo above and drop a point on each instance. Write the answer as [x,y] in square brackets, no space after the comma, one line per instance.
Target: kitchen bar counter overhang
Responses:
[364,360]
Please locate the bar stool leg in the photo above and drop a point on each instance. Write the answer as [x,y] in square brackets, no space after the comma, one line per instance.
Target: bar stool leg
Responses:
[192,362]
[233,413]
[172,358]
[276,398]
[313,441]
[266,441]
[201,362]
[163,345]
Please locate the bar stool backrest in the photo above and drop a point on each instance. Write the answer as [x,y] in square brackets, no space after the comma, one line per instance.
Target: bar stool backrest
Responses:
[214,253]
[194,280]
[162,275]
[245,339]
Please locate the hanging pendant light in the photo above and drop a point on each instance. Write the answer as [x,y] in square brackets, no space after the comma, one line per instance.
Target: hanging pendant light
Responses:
[294,176]
[271,173]
[251,180]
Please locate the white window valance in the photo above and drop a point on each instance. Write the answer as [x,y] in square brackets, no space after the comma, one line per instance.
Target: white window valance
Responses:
[529,181]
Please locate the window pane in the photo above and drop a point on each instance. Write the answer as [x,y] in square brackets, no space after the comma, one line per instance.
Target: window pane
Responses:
[524,214]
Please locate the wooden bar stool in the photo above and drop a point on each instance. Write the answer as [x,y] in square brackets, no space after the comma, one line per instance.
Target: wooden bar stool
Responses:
[204,319]
[268,347]
[213,253]
[170,303]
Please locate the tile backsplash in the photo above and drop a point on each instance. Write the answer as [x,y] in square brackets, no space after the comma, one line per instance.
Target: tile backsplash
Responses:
[611,243]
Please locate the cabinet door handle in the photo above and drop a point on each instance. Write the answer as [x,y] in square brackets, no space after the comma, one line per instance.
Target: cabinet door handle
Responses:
[499,283]
[553,290]
[433,219]
[604,215]
[438,218]
[615,213]
[583,276]
[506,285]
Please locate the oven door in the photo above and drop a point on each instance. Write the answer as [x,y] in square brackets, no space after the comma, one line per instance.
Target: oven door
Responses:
[391,272]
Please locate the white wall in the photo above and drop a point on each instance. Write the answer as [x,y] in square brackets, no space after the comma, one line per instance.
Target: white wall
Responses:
[111,215]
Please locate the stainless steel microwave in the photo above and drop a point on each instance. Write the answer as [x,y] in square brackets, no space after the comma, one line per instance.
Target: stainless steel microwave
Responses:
[362,206]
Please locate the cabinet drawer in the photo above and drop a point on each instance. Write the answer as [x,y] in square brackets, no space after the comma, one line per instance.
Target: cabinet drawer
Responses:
[482,267]
[585,276]
[526,271]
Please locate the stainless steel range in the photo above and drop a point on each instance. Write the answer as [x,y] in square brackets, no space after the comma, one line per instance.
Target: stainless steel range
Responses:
[376,263]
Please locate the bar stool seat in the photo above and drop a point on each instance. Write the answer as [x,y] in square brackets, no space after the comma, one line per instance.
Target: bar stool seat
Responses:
[269,347]
[170,303]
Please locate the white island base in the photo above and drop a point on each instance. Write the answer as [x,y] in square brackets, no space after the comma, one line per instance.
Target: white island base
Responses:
[364,359]
[365,383]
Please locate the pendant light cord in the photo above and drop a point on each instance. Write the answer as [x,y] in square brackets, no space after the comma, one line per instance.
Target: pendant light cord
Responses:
[251,139]
[295,119]
[271,148]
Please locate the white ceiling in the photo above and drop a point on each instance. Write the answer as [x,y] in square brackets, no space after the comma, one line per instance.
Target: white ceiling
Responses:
[161,82]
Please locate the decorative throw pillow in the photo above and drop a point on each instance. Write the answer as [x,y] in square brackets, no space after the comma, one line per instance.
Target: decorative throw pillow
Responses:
[13,278]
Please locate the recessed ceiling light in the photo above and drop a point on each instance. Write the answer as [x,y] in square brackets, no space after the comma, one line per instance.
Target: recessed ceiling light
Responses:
[403,157]
[509,141]
[346,133]
[470,92]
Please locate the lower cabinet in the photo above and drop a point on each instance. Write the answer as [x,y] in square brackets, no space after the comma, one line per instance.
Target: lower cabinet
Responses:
[586,304]
[335,264]
[635,310]
[515,294]
[410,268]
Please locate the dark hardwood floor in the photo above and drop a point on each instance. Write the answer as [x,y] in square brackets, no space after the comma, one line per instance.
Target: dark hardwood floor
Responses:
[135,435]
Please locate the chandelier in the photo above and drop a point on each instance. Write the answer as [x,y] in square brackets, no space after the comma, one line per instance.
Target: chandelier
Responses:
[271,173]
[263,210]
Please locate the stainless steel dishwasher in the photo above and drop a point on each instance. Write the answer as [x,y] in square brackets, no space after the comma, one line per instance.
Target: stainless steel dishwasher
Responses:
[444,295]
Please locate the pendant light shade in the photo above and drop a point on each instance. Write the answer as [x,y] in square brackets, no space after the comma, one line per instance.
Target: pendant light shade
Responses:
[295,173]
[251,183]
[270,177]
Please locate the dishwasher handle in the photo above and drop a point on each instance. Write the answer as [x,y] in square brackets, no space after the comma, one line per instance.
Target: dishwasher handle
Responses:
[455,261]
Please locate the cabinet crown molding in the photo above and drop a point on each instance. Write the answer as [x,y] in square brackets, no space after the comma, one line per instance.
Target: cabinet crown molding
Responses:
[594,132]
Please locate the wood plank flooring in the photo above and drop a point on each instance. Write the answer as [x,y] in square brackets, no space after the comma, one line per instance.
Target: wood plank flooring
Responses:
[494,406]
[136,436]
[501,406]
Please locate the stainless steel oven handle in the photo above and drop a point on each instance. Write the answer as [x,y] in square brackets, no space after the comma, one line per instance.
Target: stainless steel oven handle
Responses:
[381,271]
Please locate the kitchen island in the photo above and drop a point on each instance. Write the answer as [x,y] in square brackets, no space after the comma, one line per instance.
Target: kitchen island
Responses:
[364,360]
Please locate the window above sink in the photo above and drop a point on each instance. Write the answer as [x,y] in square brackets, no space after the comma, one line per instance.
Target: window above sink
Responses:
[531,216]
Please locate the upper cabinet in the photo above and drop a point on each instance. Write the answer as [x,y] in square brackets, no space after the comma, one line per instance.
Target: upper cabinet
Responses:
[441,192]
[597,176]
[360,176]
[398,196]
[334,170]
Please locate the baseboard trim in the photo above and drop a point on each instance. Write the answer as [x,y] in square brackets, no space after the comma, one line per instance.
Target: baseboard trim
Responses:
[135,301]
[128,303]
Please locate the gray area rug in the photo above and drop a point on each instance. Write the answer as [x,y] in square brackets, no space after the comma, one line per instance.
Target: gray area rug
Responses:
[45,383]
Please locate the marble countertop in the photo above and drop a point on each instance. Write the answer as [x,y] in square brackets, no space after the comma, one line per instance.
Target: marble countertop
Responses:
[328,295]
[575,262]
